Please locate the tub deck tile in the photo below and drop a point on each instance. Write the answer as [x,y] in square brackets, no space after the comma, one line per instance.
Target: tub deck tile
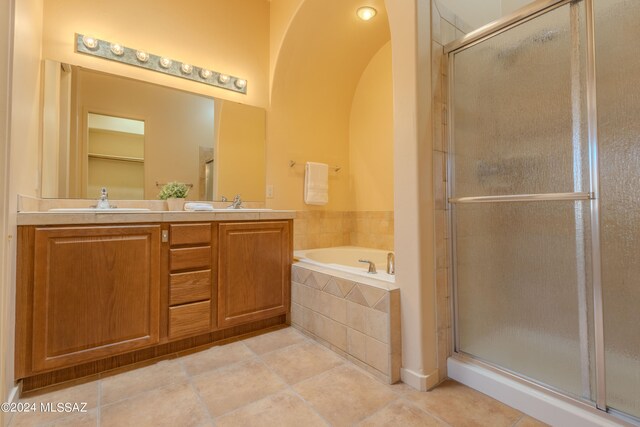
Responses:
[333,288]
[371,294]
[356,296]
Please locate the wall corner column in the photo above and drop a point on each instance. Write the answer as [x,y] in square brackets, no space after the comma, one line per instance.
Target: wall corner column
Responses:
[410,24]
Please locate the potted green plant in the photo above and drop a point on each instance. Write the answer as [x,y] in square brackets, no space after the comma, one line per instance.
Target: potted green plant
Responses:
[174,193]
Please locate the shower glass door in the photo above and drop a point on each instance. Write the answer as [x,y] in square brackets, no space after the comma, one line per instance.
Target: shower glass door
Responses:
[617,35]
[519,175]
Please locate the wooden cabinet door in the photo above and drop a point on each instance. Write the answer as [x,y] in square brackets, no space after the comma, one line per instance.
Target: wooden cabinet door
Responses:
[254,268]
[96,293]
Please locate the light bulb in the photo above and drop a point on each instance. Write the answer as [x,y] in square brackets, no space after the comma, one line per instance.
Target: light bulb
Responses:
[186,68]
[205,74]
[223,78]
[90,42]
[240,83]
[366,13]
[142,56]
[117,49]
[165,62]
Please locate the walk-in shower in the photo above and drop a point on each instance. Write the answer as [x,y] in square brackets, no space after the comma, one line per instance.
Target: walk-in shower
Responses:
[544,193]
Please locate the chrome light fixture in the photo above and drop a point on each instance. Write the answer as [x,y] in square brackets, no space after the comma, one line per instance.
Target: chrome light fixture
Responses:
[90,42]
[165,62]
[142,56]
[117,49]
[116,52]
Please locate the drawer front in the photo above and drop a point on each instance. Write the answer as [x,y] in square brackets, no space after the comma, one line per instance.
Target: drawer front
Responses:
[189,287]
[190,234]
[190,319]
[190,258]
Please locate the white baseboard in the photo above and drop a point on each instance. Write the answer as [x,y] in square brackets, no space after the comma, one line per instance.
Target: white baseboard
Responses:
[14,394]
[13,397]
[418,381]
[544,406]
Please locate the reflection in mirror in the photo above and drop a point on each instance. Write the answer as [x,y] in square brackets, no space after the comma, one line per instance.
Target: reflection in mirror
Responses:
[116,156]
[102,130]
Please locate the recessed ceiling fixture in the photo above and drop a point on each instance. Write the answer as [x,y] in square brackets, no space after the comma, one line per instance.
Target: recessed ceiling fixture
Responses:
[366,13]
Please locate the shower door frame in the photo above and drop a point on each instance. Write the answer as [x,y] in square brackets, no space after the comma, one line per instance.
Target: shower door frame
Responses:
[521,16]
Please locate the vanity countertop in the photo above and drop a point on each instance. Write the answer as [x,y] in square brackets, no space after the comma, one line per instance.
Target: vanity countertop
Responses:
[53,218]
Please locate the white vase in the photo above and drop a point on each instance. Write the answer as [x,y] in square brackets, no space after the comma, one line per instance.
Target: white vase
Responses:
[175,204]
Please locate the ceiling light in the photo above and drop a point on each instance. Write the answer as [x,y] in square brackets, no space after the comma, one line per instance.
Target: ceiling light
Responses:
[366,13]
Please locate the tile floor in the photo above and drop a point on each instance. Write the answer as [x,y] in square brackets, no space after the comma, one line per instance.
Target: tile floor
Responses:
[280,378]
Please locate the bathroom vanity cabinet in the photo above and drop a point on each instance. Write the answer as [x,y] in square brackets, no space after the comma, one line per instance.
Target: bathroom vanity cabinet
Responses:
[253,259]
[86,293]
[94,297]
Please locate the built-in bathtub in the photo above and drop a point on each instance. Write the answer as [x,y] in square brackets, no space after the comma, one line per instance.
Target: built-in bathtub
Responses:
[354,313]
[346,259]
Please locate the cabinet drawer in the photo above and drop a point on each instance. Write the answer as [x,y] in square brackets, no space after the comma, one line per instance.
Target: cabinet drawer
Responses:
[190,258]
[189,287]
[190,319]
[190,234]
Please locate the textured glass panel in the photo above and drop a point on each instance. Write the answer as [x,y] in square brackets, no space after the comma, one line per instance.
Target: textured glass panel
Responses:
[618,80]
[519,110]
[523,295]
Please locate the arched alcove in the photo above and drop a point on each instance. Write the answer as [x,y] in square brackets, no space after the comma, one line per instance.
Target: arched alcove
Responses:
[320,61]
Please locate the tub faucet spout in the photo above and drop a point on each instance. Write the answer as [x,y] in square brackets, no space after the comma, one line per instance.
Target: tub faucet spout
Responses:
[391,263]
[372,266]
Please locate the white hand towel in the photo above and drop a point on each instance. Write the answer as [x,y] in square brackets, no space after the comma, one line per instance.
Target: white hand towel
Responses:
[316,183]
[194,206]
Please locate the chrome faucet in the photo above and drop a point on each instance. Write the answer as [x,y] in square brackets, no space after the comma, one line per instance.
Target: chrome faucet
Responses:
[103,202]
[391,263]
[372,266]
[237,202]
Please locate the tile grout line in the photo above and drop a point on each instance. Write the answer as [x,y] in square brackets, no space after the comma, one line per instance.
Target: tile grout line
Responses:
[99,408]
[295,393]
[376,411]
[135,395]
[518,420]
[196,391]
[348,363]
[434,416]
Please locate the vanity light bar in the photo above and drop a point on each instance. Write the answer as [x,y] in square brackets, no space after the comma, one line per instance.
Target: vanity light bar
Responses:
[117,52]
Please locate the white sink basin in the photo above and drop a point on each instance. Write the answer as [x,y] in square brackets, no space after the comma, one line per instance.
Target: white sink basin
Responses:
[96,210]
[228,210]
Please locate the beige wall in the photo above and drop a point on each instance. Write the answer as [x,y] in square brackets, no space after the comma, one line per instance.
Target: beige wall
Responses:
[371,136]
[229,36]
[314,81]
[413,196]
[281,13]
[23,169]
[177,123]
[123,179]
[473,13]
[5,246]
[241,152]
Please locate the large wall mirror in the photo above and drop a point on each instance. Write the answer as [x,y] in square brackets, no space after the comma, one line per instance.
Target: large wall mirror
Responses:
[102,130]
